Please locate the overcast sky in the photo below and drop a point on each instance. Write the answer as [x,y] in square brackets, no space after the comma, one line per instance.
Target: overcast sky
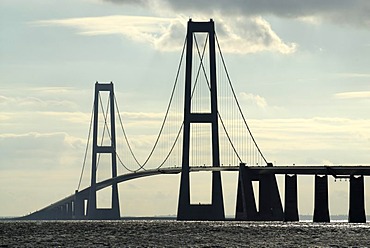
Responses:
[300,70]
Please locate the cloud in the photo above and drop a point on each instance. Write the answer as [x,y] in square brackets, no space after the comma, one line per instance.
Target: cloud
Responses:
[254,99]
[138,2]
[53,90]
[156,31]
[353,95]
[52,99]
[142,116]
[68,117]
[354,75]
[39,150]
[35,103]
[314,20]
[251,35]
[242,35]
[338,12]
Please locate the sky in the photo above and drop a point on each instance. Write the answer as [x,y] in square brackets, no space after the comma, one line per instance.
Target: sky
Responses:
[300,70]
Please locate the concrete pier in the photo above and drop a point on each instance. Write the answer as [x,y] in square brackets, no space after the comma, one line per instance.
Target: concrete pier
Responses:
[356,200]
[245,202]
[270,207]
[321,211]
[291,202]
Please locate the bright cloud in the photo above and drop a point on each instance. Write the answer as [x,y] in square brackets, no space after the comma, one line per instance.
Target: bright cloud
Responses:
[254,99]
[353,95]
[152,30]
[242,35]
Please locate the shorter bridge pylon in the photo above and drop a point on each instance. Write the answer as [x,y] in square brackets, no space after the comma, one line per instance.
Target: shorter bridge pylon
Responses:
[92,211]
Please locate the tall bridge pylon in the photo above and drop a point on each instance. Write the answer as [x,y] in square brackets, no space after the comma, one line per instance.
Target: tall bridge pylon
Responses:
[186,210]
[92,211]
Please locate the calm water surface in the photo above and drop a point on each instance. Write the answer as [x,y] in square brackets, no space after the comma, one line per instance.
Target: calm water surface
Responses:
[171,233]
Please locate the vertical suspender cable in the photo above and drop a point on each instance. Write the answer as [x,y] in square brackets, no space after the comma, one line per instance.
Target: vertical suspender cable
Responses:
[237,102]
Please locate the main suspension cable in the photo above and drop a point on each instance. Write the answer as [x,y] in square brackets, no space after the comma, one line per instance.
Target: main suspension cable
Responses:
[87,148]
[192,93]
[124,133]
[173,146]
[105,114]
[141,166]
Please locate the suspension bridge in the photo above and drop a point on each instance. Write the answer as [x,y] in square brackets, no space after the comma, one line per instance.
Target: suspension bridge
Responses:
[203,129]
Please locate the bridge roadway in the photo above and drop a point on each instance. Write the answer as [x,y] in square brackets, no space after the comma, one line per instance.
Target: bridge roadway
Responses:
[335,171]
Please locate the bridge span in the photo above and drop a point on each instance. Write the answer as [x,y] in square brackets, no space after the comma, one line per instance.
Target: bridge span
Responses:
[66,207]
[335,171]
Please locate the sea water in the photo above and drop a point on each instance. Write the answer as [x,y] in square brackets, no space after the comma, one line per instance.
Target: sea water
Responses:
[172,233]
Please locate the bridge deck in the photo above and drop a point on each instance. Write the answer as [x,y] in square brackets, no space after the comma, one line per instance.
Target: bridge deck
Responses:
[300,170]
[335,171]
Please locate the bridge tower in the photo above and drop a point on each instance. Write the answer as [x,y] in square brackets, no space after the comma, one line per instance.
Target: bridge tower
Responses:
[186,210]
[92,211]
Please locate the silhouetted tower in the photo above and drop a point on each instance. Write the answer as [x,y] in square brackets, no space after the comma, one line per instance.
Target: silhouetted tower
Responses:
[92,211]
[215,210]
